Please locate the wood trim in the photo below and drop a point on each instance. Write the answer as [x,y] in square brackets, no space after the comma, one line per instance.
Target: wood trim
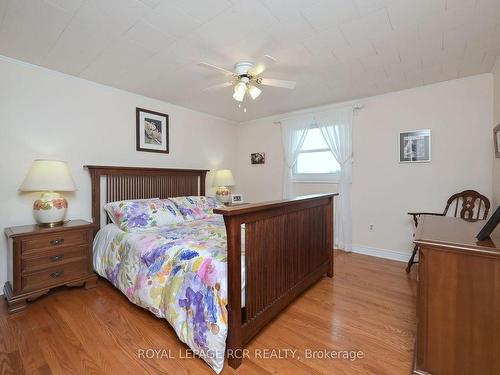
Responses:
[329,238]
[496,130]
[459,248]
[143,182]
[235,334]
[288,245]
[35,229]
[265,206]
[114,170]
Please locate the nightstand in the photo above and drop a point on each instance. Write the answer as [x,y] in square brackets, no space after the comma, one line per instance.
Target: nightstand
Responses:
[44,258]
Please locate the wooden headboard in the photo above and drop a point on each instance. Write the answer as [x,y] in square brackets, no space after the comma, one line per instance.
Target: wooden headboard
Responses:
[123,183]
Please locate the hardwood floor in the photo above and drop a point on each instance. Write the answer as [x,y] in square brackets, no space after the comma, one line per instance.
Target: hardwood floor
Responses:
[369,306]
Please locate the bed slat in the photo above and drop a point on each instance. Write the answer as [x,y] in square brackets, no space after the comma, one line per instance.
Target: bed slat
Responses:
[124,183]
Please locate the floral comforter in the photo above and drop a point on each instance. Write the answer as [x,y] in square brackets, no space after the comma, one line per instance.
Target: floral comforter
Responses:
[178,272]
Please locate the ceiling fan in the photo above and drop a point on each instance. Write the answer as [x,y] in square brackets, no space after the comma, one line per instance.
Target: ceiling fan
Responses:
[246,78]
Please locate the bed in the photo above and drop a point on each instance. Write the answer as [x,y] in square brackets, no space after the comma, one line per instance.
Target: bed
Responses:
[217,279]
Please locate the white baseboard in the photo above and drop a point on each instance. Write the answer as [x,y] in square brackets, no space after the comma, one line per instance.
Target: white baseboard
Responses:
[381,253]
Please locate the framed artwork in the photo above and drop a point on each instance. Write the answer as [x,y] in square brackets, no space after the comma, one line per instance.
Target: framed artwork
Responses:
[415,146]
[496,139]
[152,131]
[236,198]
[258,158]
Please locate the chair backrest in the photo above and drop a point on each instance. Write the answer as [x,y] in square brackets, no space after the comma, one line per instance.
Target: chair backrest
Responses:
[468,205]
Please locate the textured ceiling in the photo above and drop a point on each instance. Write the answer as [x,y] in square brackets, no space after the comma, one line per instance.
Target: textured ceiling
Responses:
[335,49]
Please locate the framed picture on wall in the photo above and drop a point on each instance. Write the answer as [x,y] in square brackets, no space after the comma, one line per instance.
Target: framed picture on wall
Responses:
[258,158]
[151,131]
[496,140]
[415,146]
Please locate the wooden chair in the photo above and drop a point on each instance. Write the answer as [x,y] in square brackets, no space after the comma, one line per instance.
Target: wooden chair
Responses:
[468,210]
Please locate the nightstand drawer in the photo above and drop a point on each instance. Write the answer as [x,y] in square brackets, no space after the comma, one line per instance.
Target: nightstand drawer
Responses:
[53,257]
[50,241]
[54,275]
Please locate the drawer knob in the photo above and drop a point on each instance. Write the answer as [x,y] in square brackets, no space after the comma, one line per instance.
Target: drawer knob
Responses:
[57,258]
[57,242]
[57,274]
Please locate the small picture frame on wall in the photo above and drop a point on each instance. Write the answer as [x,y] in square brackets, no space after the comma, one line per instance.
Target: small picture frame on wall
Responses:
[258,158]
[151,131]
[236,198]
[496,140]
[415,146]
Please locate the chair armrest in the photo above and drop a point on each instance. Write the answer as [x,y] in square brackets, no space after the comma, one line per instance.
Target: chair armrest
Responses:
[425,213]
[416,215]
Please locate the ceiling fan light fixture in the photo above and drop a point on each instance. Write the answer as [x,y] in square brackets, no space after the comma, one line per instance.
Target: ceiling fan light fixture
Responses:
[246,79]
[239,91]
[254,91]
[237,97]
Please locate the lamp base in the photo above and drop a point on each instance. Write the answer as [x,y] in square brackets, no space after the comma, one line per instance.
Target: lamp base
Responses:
[223,194]
[51,225]
[50,209]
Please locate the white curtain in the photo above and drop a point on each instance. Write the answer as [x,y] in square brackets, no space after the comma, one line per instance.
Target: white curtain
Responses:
[336,127]
[293,134]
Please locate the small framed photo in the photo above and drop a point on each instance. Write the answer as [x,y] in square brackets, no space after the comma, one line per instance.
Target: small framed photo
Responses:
[236,198]
[496,140]
[415,146]
[152,131]
[258,158]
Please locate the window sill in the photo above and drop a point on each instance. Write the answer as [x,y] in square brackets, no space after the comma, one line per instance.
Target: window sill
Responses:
[315,180]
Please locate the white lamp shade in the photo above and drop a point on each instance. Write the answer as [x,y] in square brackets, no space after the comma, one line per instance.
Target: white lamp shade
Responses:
[239,91]
[254,91]
[48,175]
[223,177]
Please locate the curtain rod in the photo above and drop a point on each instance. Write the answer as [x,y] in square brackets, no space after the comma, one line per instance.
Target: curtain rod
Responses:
[356,107]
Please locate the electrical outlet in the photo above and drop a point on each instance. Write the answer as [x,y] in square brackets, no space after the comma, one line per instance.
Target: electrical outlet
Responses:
[371,227]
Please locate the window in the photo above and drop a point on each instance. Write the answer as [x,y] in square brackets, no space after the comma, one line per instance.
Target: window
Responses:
[315,162]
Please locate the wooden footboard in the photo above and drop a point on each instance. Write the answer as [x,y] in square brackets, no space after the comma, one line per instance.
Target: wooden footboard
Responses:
[288,247]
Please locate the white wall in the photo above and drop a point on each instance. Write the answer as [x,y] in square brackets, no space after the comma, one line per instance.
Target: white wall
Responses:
[459,113]
[496,161]
[260,182]
[45,114]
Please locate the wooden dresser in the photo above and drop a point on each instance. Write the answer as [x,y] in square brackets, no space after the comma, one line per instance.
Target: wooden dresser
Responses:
[458,305]
[43,258]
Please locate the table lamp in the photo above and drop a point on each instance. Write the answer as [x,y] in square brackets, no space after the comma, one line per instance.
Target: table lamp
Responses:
[47,177]
[223,179]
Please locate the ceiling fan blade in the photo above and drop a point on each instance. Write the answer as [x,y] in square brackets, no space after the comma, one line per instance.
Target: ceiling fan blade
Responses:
[256,70]
[219,86]
[270,58]
[261,66]
[216,68]
[277,83]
